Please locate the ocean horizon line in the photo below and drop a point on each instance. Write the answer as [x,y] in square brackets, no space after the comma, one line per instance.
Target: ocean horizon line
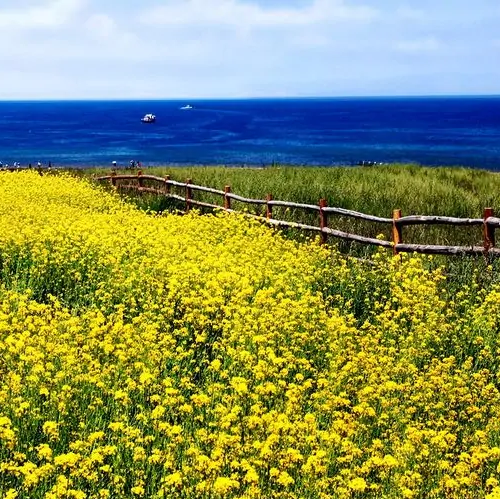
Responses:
[263,98]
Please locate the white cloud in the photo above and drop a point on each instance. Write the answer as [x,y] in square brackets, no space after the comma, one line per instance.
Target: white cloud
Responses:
[241,48]
[101,26]
[240,15]
[50,14]
[104,38]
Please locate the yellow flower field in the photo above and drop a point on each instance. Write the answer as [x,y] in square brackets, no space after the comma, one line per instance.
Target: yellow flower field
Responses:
[208,357]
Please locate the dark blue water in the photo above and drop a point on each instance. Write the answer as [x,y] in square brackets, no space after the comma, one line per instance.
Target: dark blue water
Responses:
[429,131]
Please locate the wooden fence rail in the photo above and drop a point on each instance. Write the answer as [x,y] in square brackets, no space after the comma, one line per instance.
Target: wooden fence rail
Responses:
[397,222]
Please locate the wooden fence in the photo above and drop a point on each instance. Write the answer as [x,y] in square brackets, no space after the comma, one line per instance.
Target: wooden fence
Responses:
[163,187]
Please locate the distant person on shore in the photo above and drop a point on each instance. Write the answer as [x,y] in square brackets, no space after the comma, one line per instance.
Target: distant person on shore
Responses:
[114,164]
[39,164]
[132,163]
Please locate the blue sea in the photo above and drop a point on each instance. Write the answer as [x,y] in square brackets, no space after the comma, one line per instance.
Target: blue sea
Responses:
[334,131]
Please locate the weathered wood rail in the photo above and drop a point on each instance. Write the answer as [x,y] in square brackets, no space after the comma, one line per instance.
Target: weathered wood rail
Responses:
[164,187]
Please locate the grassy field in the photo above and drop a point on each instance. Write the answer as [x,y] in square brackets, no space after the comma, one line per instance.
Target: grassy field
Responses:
[376,190]
[209,357]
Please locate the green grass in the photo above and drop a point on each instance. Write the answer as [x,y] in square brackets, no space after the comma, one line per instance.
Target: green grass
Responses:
[459,192]
[376,190]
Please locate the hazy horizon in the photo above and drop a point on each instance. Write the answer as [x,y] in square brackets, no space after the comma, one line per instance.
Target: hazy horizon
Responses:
[310,97]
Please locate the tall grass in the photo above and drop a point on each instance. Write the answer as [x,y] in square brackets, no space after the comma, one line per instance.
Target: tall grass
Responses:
[376,190]
[459,192]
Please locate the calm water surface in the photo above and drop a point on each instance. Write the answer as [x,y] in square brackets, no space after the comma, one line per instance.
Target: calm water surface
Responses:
[429,131]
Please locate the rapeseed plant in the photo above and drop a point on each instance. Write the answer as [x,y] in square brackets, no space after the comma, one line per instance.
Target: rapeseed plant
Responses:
[206,356]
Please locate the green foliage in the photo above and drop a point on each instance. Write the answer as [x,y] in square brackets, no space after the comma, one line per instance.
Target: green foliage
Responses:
[376,190]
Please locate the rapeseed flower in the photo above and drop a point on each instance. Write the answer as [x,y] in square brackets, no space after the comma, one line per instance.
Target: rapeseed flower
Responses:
[203,356]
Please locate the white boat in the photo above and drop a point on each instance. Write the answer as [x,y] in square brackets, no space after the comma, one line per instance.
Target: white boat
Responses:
[187,106]
[148,118]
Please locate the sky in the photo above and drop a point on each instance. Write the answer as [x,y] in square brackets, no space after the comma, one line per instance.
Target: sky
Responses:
[191,49]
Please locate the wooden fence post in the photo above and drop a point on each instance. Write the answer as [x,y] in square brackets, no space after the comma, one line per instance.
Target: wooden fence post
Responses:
[397,230]
[189,194]
[488,231]
[269,208]
[167,185]
[113,178]
[139,178]
[323,220]
[227,199]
